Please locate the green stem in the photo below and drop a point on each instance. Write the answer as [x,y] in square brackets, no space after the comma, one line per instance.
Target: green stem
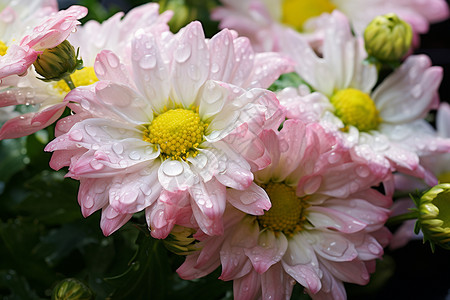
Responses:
[401,218]
[69,82]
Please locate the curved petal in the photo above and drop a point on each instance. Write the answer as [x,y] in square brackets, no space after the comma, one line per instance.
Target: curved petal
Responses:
[269,250]
[253,200]
[151,70]
[112,220]
[30,123]
[407,94]
[176,175]
[322,217]
[190,67]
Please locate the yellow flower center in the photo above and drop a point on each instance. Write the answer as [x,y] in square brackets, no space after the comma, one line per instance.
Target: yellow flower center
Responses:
[287,211]
[3,48]
[178,132]
[85,76]
[297,12]
[356,108]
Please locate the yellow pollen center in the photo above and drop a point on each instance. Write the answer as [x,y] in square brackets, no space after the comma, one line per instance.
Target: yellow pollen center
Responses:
[85,76]
[178,132]
[297,12]
[287,211]
[3,48]
[356,108]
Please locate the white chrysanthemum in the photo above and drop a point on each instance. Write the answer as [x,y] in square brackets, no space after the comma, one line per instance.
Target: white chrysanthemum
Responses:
[384,124]
[147,136]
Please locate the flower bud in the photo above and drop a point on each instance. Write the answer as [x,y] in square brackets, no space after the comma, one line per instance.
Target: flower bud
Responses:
[434,215]
[181,241]
[387,38]
[56,63]
[71,289]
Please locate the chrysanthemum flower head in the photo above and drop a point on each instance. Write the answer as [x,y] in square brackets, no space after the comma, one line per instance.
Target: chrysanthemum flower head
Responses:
[265,22]
[168,135]
[114,34]
[384,124]
[29,31]
[325,225]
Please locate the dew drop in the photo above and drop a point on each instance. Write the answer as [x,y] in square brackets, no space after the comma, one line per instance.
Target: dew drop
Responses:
[334,158]
[182,53]
[334,248]
[172,168]
[148,61]
[134,155]
[215,68]
[76,135]
[112,60]
[96,165]
[117,148]
[88,202]
[146,189]
[362,171]
[91,130]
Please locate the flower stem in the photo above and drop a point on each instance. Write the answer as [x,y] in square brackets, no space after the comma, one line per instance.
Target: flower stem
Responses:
[69,82]
[401,218]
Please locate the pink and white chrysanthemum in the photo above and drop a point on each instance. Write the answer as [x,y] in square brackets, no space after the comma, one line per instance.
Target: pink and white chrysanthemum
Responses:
[325,226]
[47,31]
[171,129]
[265,22]
[113,34]
[383,125]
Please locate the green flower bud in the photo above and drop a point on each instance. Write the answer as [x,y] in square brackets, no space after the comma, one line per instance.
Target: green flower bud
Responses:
[181,241]
[56,63]
[434,215]
[387,38]
[71,289]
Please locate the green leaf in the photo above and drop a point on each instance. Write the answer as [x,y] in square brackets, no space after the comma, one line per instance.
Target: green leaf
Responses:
[13,157]
[288,80]
[148,274]
[17,286]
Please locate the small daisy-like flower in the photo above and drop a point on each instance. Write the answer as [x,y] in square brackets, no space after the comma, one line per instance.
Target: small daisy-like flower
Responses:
[48,29]
[325,226]
[383,125]
[265,22]
[170,136]
[48,97]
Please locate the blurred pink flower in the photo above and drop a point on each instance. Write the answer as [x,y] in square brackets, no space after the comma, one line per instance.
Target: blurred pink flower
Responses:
[113,34]
[48,29]
[265,22]
[166,133]
[384,125]
[325,226]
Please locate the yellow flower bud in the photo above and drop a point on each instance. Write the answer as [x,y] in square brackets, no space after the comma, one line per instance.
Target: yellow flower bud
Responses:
[387,38]
[181,241]
[56,63]
[434,215]
[71,289]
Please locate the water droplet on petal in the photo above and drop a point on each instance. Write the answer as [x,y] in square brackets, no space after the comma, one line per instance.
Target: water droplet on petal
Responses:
[334,157]
[333,247]
[148,61]
[215,68]
[91,130]
[146,189]
[96,165]
[88,202]
[76,135]
[117,148]
[134,155]
[172,168]
[363,171]
[112,60]
[182,53]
